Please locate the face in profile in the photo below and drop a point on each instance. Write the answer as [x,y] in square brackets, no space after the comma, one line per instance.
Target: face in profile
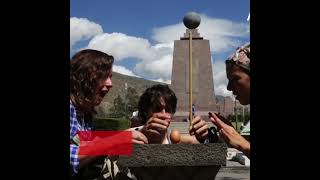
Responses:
[239,84]
[103,88]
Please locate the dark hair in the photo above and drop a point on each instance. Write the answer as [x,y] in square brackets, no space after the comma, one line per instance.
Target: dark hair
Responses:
[87,68]
[150,101]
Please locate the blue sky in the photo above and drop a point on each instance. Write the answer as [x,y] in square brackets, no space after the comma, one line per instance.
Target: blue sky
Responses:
[140,33]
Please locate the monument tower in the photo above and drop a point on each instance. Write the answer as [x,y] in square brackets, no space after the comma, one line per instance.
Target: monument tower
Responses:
[203,96]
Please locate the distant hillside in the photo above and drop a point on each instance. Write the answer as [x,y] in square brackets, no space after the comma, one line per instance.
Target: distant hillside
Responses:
[139,84]
[118,82]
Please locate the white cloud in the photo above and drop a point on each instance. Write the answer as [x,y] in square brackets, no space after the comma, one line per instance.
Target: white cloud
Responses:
[168,33]
[222,34]
[82,29]
[160,67]
[162,81]
[123,70]
[122,46]
[220,79]
[156,61]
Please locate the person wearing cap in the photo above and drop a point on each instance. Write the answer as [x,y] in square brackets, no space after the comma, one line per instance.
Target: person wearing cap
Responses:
[238,74]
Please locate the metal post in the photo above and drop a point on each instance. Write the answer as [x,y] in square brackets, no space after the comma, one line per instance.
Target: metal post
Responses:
[235,112]
[125,100]
[242,113]
[190,77]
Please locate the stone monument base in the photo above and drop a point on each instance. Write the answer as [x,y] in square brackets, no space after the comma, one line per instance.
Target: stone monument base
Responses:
[176,161]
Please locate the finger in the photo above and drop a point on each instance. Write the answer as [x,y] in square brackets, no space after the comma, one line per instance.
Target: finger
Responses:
[199,124]
[219,116]
[223,119]
[195,120]
[218,122]
[211,118]
[161,115]
[136,135]
[143,138]
[203,129]
[205,134]
[156,126]
[159,121]
[134,141]
[153,132]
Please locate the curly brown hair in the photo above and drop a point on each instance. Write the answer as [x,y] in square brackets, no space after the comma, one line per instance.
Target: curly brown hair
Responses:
[87,69]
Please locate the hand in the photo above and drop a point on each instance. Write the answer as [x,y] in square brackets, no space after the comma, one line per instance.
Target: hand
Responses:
[230,135]
[156,126]
[222,119]
[199,128]
[138,138]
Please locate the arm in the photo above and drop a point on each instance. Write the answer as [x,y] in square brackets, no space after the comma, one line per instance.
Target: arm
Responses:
[78,162]
[231,136]
[188,139]
[198,131]
[74,142]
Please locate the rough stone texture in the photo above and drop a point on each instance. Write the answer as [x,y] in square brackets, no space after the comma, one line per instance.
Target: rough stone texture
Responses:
[203,87]
[176,173]
[176,161]
[212,154]
[233,173]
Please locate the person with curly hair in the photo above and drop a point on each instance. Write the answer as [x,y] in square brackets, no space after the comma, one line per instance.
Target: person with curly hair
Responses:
[90,81]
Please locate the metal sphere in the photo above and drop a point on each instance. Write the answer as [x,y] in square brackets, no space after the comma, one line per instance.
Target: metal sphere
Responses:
[191,20]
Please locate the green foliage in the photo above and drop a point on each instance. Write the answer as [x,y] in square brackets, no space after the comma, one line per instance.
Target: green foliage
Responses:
[132,99]
[109,124]
[118,109]
[241,118]
[124,108]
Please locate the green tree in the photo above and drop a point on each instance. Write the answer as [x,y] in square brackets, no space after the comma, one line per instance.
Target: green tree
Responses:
[118,109]
[132,100]
[240,117]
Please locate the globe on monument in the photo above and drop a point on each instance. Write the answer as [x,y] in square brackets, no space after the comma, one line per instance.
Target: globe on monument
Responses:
[191,20]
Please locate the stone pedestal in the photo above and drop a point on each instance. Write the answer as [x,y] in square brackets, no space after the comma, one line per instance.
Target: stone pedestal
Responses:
[176,161]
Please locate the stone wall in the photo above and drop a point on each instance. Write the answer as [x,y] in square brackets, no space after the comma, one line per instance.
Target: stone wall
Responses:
[176,161]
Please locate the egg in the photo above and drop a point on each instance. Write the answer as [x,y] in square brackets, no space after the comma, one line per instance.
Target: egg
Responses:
[175,136]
